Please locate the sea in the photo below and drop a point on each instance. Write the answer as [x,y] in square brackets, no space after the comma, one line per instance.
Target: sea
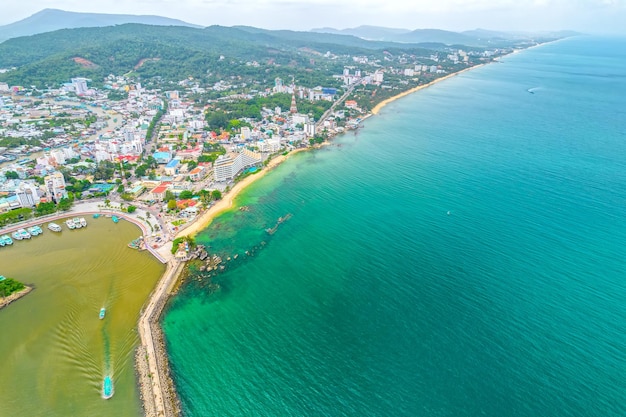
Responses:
[463,253]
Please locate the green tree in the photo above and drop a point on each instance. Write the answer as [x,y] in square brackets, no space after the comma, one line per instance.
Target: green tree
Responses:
[169,196]
[11,175]
[45,208]
[9,286]
[65,204]
[131,209]
[140,171]
[171,205]
[185,195]
[216,195]
[205,196]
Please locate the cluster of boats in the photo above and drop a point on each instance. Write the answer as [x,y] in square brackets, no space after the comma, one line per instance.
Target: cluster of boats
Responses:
[21,234]
[27,233]
[76,223]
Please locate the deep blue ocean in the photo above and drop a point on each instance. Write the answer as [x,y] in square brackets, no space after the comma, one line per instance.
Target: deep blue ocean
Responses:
[462,254]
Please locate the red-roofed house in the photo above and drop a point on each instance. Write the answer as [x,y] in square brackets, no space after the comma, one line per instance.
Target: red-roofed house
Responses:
[158,193]
[183,204]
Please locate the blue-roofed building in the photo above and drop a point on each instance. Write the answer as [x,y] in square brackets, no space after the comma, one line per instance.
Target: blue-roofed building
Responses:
[172,167]
[162,157]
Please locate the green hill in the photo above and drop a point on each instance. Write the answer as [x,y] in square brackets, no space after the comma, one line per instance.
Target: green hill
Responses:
[170,52]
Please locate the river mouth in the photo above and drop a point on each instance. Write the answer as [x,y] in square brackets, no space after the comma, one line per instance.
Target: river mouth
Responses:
[60,350]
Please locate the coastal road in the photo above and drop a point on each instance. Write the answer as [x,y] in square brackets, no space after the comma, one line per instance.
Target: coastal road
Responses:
[332,108]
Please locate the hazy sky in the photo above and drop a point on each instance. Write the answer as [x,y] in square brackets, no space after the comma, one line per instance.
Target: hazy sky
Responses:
[596,16]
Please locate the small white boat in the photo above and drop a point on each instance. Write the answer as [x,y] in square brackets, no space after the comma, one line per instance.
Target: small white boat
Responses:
[54,227]
[24,234]
[102,313]
[77,223]
[83,222]
[35,230]
[17,235]
[70,224]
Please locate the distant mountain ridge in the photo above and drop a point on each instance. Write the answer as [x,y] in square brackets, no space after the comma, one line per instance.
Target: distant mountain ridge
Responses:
[49,20]
[475,37]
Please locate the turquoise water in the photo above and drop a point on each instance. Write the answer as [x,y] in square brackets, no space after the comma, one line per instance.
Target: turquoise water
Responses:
[463,254]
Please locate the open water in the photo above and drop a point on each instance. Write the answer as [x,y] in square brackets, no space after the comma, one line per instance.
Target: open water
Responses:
[54,350]
[461,255]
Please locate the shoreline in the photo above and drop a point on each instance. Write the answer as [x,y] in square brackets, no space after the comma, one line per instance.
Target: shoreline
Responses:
[389,100]
[205,219]
[151,359]
[156,386]
[5,301]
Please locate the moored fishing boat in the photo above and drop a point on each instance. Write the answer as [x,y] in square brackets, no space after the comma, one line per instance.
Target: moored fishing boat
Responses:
[17,235]
[115,219]
[70,224]
[54,227]
[83,222]
[77,223]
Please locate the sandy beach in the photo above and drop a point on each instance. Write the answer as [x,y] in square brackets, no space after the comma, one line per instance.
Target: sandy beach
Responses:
[227,200]
[383,103]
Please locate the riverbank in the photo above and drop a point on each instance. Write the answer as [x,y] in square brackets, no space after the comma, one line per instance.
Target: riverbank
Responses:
[383,103]
[5,301]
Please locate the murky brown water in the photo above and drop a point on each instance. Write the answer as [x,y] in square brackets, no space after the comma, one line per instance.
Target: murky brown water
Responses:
[54,349]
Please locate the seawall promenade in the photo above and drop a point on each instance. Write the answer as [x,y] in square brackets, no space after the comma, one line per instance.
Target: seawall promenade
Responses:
[155,383]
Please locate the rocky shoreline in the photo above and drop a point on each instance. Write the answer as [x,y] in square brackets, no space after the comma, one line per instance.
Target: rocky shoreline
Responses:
[156,385]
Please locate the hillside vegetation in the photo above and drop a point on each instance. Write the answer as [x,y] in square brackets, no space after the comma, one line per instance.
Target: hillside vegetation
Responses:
[175,52]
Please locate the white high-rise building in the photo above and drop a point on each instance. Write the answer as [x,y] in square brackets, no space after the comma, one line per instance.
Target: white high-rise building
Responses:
[246,133]
[27,195]
[309,129]
[80,86]
[228,166]
[59,156]
[55,186]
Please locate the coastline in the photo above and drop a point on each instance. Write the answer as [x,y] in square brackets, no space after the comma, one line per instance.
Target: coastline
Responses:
[227,200]
[383,103]
[157,388]
[5,301]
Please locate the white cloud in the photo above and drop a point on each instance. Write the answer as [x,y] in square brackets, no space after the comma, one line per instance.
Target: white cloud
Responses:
[293,14]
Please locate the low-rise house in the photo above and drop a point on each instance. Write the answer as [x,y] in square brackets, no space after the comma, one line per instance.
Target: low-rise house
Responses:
[158,193]
[172,167]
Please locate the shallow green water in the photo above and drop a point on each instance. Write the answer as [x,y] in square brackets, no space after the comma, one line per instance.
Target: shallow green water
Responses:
[54,349]
[462,255]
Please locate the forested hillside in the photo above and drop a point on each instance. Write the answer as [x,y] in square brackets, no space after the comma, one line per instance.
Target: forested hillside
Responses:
[175,52]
